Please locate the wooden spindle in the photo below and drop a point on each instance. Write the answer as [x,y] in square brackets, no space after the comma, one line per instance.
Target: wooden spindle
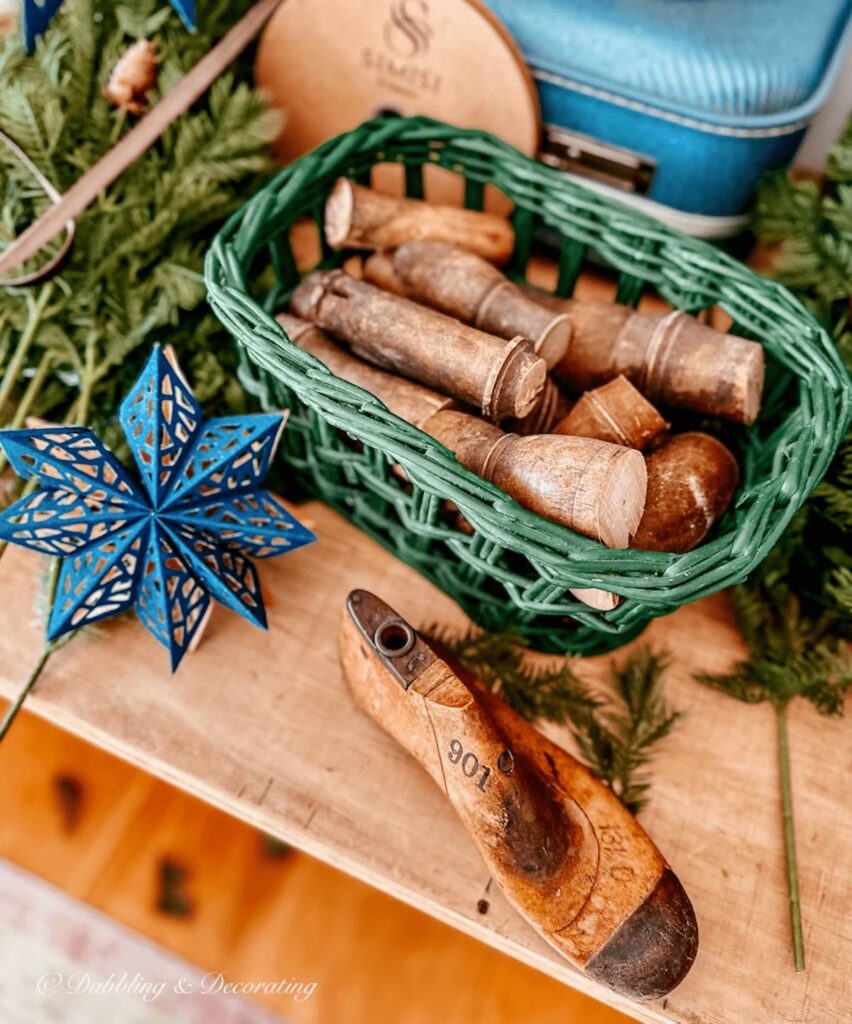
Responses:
[614,412]
[593,487]
[691,481]
[409,401]
[502,379]
[464,285]
[670,357]
[359,218]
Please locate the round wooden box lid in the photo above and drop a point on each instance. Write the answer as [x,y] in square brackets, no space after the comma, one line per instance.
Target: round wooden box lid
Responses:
[331,64]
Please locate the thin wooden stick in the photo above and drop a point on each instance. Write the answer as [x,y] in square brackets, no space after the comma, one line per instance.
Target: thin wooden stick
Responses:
[15,707]
[790,836]
[30,395]
[32,678]
[98,178]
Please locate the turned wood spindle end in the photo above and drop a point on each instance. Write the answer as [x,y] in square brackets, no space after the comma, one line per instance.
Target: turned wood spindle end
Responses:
[615,412]
[339,209]
[691,481]
[590,486]
[622,499]
[675,360]
[517,384]
[503,380]
[553,342]
[752,371]
[593,487]
[357,217]
[462,284]
[308,295]
[545,416]
[506,307]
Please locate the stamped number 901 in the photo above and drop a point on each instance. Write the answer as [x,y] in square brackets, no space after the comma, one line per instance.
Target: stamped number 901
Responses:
[469,762]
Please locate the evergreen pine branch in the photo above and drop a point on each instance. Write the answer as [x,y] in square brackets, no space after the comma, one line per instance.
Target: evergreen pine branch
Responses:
[811,227]
[785,210]
[796,612]
[619,740]
[839,166]
[616,733]
[135,271]
[834,493]
[839,588]
[791,654]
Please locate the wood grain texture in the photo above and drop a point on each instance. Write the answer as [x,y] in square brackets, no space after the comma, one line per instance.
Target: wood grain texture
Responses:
[356,217]
[264,728]
[253,917]
[615,412]
[593,487]
[412,402]
[561,846]
[501,379]
[671,357]
[462,284]
[691,481]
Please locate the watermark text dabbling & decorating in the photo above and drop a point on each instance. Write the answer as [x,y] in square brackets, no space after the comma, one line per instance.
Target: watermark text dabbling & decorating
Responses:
[82,983]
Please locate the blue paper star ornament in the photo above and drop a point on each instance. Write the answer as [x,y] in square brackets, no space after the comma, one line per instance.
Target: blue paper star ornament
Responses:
[186,535]
[36,15]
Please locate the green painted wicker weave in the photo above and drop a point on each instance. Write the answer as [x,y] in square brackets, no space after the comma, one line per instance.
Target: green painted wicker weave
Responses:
[516,569]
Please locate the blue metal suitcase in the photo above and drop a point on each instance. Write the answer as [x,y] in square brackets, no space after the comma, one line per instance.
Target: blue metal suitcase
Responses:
[679,105]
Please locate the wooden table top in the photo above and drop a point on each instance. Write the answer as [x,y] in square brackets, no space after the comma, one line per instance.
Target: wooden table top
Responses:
[262,726]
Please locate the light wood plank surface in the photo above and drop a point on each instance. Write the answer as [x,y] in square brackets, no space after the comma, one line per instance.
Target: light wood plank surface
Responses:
[263,727]
[251,917]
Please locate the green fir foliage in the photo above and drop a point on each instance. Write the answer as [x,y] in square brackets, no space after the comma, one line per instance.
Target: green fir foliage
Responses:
[134,275]
[618,740]
[498,660]
[789,654]
[811,225]
[795,613]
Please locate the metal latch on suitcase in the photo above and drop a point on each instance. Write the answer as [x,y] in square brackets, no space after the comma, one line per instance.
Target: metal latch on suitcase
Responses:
[579,154]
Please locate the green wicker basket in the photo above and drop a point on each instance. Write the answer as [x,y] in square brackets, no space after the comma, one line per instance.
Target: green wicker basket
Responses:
[516,568]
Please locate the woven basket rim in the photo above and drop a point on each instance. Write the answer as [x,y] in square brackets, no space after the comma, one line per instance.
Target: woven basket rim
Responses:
[804,442]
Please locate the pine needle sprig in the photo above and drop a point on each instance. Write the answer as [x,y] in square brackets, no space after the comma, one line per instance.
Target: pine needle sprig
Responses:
[795,614]
[618,741]
[834,494]
[790,654]
[616,732]
[810,223]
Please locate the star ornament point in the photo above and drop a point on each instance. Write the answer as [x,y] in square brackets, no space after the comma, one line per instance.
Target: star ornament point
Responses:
[166,547]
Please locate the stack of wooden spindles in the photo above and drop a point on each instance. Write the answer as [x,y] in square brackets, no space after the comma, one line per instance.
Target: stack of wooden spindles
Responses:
[552,400]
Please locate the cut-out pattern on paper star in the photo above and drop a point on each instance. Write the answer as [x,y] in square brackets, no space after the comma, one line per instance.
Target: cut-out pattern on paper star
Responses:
[36,15]
[186,535]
